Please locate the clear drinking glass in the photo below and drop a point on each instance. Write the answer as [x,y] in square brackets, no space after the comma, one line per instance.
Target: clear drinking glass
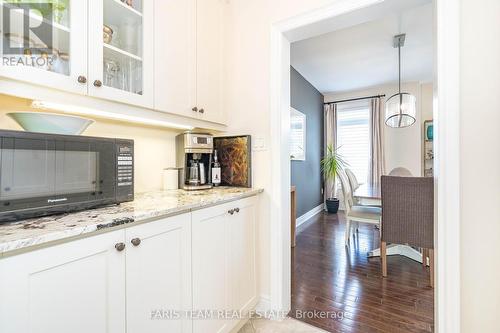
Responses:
[111,73]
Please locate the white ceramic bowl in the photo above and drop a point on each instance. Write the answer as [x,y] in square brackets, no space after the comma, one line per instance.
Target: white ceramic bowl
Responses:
[51,123]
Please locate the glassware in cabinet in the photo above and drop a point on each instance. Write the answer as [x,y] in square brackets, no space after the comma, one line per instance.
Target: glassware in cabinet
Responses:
[51,54]
[123,45]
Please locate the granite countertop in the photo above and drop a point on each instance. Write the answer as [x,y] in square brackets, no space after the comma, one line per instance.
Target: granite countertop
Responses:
[25,234]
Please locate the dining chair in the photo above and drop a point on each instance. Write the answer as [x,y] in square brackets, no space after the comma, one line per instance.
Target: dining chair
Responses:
[353,181]
[400,172]
[408,216]
[356,214]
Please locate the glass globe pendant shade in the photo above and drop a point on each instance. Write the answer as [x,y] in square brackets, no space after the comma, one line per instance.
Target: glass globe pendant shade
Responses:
[400,110]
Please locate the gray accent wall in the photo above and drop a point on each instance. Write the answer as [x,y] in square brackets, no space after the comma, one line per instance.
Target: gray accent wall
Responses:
[306,175]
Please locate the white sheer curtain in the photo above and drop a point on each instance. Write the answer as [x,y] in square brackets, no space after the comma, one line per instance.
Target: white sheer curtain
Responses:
[377,156]
[330,130]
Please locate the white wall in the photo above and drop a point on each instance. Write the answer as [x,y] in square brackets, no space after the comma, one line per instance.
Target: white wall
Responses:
[403,146]
[248,92]
[427,94]
[480,165]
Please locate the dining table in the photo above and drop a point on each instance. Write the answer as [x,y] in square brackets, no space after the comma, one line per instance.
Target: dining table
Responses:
[371,195]
[368,195]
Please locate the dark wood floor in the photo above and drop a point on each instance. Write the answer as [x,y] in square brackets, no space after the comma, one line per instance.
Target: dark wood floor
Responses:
[326,276]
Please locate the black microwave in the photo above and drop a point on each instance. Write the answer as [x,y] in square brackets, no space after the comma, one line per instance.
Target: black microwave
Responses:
[43,174]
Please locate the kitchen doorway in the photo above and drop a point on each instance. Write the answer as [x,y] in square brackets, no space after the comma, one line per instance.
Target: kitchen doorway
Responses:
[446,152]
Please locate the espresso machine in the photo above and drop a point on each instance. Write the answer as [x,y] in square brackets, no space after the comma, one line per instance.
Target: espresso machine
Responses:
[194,160]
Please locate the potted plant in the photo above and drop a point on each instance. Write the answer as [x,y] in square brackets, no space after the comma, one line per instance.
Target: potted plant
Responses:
[331,165]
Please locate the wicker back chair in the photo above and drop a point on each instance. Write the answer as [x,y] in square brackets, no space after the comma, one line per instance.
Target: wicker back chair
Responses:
[408,216]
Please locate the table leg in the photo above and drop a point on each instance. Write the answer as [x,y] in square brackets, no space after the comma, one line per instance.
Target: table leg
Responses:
[431,266]
[383,256]
[293,222]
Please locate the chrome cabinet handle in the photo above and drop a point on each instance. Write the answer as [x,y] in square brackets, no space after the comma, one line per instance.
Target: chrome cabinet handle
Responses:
[231,211]
[136,241]
[237,210]
[82,79]
[120,247]
[97,83]
[195,109]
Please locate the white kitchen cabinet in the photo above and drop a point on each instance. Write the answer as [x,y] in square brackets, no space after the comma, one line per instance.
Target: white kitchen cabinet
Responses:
[224,275]
[134,280]
[122,69]
[189,55]
[166,55]
[66,67]
[211,259]
[74,287]
[144,278]
[175,56]
[242,226]
[159,276]
[209,59]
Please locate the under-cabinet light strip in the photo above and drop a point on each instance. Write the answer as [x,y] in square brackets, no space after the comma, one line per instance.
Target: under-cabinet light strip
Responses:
[104,114]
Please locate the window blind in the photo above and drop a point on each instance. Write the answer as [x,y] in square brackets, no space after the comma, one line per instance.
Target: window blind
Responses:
[353,139]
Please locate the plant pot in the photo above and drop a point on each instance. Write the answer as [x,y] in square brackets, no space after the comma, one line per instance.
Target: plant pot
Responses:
[332,205]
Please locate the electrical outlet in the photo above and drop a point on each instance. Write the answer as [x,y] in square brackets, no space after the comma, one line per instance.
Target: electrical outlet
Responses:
[259,144]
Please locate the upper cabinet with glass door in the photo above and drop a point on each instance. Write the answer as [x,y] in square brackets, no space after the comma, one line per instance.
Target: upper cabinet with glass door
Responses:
[44,42]
[121,50]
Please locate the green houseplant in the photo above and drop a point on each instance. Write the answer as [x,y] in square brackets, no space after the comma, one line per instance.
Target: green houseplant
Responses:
[331,165]
[57,7]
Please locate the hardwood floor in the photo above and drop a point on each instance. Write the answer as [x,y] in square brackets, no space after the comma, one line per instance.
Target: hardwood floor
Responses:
[327,276]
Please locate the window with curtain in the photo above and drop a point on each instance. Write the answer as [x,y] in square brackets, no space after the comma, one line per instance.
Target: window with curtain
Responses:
[353,137]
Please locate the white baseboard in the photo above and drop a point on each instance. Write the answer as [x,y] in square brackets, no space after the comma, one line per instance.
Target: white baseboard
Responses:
[302,219]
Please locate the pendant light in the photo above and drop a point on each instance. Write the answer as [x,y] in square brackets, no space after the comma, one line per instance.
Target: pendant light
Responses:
[400,108]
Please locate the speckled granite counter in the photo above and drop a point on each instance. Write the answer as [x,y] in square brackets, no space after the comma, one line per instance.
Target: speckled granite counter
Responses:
[29,233]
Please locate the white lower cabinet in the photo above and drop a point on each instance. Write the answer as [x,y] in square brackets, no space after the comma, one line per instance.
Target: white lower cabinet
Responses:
[145,278]
[159,276]
[224,276]
[75,287]
[242,234]
[211,281]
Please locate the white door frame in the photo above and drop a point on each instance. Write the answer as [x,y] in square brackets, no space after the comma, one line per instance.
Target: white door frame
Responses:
[447,295]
